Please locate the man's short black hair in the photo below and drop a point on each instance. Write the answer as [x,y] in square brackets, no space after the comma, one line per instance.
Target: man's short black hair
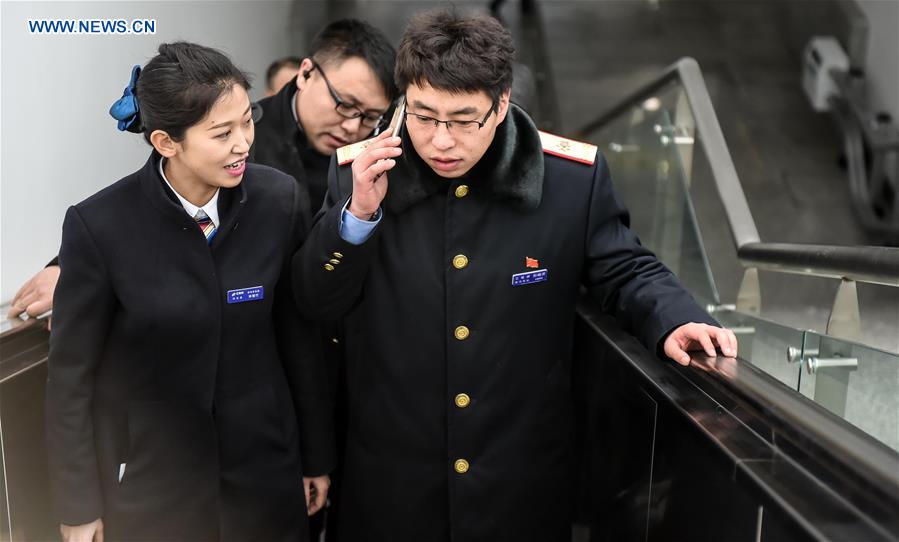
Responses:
[455,53]
[347,38]
[275,67]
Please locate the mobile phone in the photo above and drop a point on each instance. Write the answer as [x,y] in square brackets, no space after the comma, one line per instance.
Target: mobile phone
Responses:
[399,116]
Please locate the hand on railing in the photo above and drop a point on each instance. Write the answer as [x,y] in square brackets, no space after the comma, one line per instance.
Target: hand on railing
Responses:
[699,337]
[35,297]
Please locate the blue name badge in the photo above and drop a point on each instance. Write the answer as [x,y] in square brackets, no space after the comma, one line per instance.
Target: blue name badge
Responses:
[256,293]
[520,279]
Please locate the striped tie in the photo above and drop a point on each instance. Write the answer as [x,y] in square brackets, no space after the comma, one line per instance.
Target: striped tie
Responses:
[206,225]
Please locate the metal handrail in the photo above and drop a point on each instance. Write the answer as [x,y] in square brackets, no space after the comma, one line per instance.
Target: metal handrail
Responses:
[781,406]
[878,265]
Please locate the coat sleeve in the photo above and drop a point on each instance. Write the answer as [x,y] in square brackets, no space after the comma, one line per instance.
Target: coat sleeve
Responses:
[84,307]
[299,342]
[625,277]
[328,272]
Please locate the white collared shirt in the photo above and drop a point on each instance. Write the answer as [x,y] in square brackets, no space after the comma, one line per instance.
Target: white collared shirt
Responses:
[211,208]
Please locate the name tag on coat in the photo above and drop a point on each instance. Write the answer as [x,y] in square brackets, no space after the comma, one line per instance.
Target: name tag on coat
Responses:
[255,293]
[531,277]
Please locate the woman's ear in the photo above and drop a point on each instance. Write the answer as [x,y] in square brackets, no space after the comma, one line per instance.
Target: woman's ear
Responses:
[164,144]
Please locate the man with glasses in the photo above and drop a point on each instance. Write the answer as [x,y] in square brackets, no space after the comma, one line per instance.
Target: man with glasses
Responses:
[459,276]
[342,91]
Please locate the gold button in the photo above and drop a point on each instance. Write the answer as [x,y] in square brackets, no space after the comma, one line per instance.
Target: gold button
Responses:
[335,262]
[329,267]
[461,466]
[461,190]
[460,261]
[463,400]
[461,333]
[338,255]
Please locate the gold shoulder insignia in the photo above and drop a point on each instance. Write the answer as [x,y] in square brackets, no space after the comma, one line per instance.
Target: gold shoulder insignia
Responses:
[584,153]
[348,153]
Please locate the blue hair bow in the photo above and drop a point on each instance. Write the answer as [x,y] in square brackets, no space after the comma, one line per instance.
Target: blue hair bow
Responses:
[126,109]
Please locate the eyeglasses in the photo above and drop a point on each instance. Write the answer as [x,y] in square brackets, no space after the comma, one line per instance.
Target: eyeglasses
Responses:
[346,109]
[424,122]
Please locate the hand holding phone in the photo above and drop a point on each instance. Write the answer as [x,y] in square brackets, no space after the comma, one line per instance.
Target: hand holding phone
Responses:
[369,181]
[399,117]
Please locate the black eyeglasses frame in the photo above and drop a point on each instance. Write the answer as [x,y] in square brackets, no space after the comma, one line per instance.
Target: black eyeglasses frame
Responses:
[367,120]
[449,123]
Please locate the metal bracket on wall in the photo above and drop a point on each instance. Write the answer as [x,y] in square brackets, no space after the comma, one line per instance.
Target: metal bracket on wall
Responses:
[845,319]
[749,297]
[812,364]
[795,354]
[829,372]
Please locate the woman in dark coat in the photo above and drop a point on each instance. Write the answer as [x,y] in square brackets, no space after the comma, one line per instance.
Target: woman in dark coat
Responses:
[186,396]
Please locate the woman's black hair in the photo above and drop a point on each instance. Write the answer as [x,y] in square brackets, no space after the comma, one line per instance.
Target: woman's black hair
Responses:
[179,86]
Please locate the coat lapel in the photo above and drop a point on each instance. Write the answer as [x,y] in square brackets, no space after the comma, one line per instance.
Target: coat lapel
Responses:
[231,200]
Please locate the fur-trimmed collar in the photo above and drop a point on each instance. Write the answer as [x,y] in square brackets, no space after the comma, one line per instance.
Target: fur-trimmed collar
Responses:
[511,170]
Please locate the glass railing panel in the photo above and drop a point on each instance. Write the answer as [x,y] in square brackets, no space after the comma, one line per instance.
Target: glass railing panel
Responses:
[855,382]
[798,301]
[649,175]
[807,302]
[657,151]
[767,345]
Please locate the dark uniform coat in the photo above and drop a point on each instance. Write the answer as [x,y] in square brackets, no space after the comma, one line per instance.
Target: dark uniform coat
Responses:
[281,144]
[460,408]
[212,406]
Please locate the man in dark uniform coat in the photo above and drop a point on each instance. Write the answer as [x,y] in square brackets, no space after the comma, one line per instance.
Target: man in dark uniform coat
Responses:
[343,88]
[460,297]
[340,95]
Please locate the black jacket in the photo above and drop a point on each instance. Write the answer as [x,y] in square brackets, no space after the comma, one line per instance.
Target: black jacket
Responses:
[282,145]
[213,407]
[433,314]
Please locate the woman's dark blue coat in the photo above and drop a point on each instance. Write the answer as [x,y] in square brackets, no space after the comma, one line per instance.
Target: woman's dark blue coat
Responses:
[213,407]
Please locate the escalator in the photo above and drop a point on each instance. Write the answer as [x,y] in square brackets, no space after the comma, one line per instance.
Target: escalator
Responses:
[798,439]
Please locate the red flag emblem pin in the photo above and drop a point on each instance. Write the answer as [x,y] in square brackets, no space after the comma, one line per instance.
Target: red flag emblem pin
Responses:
[531,263]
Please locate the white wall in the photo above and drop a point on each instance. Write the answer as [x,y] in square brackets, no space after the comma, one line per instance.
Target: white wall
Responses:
[58,144]
[882,66]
